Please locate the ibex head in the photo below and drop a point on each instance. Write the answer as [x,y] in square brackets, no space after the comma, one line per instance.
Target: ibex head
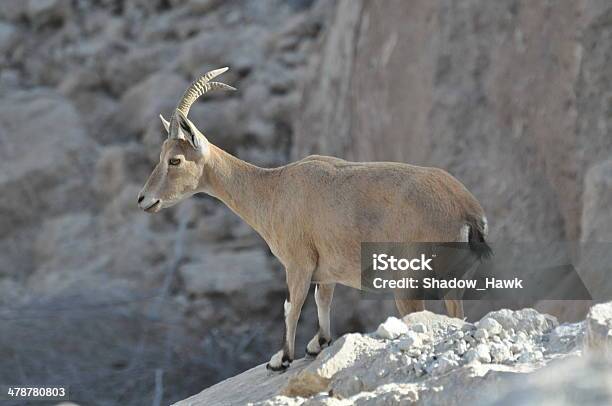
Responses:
[183,157]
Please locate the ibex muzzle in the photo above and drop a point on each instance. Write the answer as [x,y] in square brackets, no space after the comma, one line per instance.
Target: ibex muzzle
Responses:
[315,213]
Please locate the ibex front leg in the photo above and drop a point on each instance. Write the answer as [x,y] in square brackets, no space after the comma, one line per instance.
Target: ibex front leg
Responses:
[297,285]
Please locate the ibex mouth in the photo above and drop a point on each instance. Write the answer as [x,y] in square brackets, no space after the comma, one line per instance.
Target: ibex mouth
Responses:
[153,208]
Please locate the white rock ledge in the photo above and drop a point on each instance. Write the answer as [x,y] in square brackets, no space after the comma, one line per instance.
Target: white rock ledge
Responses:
[430,359]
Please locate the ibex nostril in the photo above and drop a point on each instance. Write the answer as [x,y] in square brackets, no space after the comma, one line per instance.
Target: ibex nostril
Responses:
[140,199]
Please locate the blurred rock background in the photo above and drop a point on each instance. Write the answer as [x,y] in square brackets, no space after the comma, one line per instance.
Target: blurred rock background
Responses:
[512,97]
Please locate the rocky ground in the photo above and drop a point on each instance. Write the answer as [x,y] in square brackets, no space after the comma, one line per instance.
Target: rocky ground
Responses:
[513,98]
[506,358]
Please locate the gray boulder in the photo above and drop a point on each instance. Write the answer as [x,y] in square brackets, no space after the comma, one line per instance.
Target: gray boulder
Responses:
[45,158]
[599,328]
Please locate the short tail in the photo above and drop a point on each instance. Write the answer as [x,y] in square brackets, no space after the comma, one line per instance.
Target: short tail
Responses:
[476,238]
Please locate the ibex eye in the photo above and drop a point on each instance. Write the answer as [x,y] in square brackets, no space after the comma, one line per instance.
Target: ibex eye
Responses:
[174,161]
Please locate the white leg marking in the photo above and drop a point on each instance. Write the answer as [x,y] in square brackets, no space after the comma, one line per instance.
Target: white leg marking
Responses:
[323,314]
[287,308]
[464,233]
[313,345]
[277,360]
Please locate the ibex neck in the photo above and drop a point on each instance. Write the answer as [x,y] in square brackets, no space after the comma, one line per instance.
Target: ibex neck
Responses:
[245,188]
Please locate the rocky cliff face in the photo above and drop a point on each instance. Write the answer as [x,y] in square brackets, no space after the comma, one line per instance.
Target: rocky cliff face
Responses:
[489,91]
[511,97]
[506,358]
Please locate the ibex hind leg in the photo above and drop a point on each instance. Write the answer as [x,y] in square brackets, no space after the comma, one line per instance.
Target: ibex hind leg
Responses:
[407,306]
[454,308]
[470,235]
[323,298]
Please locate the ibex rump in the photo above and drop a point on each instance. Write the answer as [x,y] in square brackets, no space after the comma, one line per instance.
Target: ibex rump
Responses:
[314,213]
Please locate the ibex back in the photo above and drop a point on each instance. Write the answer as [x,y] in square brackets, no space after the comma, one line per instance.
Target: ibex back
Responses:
[314,213]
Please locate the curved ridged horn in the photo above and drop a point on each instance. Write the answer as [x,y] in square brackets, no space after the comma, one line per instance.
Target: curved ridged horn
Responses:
[193,92]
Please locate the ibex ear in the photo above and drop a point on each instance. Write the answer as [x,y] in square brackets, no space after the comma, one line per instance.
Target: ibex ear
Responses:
[165,123]
[191,133]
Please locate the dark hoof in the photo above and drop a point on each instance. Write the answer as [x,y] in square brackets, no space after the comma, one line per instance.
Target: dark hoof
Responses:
[323,343]
[281,368]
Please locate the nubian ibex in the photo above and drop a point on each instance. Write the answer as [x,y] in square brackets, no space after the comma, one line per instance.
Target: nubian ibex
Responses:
[314,213]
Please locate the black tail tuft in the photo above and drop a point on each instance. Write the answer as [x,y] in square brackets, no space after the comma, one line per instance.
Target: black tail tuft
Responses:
[476,240]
